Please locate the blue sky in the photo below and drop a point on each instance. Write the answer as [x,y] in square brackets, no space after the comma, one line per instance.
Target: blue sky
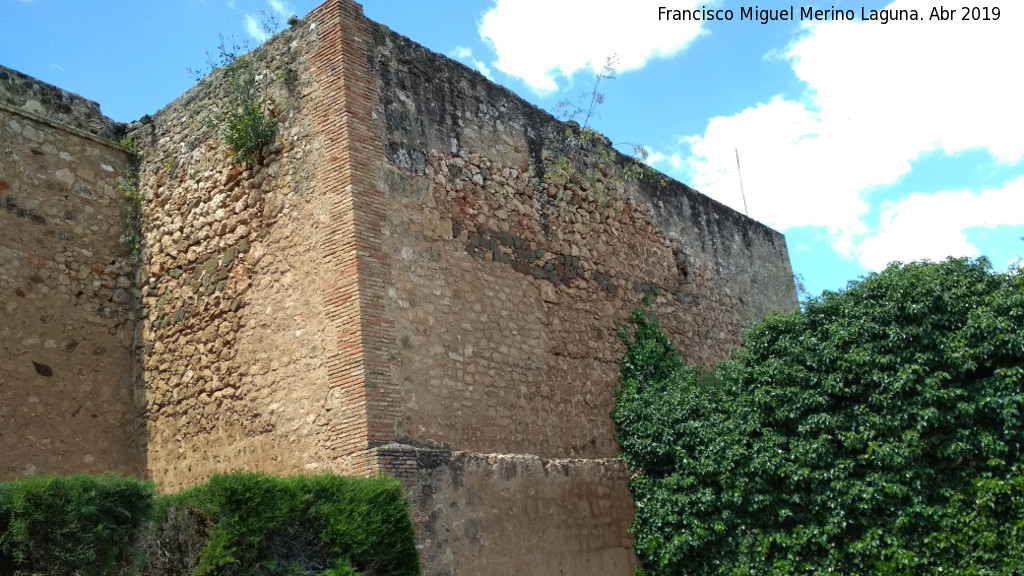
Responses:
[863,142]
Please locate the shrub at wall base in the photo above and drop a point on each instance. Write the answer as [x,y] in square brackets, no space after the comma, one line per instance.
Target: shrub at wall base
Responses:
[239,524]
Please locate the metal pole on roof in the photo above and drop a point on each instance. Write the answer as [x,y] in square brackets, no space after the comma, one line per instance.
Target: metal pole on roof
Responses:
[742,193]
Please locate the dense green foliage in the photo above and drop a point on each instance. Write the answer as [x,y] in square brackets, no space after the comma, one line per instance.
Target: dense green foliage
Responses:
[324,525]
[878,431]
[236,524]
[246,123]
[73,525]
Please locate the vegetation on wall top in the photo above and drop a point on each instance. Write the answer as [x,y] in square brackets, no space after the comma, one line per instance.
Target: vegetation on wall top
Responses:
[245,122]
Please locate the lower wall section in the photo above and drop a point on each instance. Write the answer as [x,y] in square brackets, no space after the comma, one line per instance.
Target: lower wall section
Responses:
[516,515]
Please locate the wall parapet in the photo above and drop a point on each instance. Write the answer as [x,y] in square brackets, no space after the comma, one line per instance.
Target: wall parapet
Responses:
[27,96]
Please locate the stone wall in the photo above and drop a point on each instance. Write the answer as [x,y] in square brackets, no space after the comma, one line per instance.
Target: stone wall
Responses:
[66,364]
[421,276]
[487,295]
[519,514]
[508,275]
[237,338]
[401,276]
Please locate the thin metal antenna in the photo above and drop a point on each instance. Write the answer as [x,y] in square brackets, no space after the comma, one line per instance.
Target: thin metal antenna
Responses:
[742,193]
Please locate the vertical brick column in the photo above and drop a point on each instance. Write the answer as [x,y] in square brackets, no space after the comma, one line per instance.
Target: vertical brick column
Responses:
[356,265]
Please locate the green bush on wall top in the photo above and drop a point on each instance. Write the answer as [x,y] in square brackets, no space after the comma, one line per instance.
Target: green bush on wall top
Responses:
[879,431]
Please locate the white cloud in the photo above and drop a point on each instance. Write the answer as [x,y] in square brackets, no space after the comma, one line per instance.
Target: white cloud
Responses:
[877,97]
[254,28]
[934,226]
[282,9]
[465,55]
[540,40]
[483,69]
[265,24]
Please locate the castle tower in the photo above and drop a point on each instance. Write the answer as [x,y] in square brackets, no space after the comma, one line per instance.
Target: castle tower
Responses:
[420,276]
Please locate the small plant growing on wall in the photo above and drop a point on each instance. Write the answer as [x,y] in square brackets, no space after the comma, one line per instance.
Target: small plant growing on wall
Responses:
[246,125]
[568,168]
[129,143]
[128,185]
[245,122]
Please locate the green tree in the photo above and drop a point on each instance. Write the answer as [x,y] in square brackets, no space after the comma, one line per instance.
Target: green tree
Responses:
[878,431]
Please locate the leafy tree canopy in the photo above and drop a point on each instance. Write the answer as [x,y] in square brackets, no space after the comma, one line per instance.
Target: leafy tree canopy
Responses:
[878,431]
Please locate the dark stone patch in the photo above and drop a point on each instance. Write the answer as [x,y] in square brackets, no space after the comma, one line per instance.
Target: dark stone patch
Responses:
[35,279]
[398,121]
[243,245]
[42,369]
[430,459]
[507,469]
[229,255]
[99,351]
[605,282]
[175,273]
[646,288]
[37,152]
[4,186]
[10,204]
[81,189]
[545,221]
[524,255]
[209,267]
[70,344]
[412,160]
[457,227]
[179,315]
